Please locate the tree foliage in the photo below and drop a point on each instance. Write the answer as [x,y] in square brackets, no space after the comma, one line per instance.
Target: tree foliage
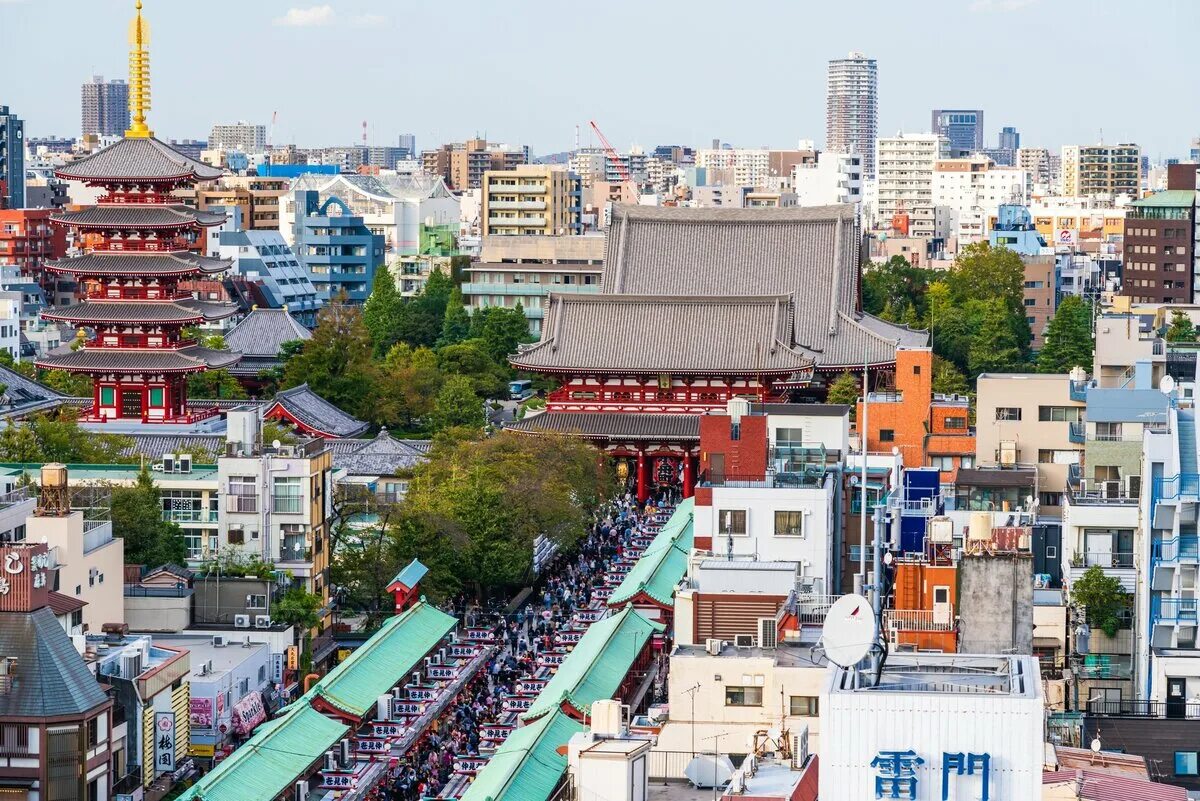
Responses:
[456,323]
[1069,342]
[947,379]
[137,518]
[458,405]
[994,346]
[1181,328]
[297,607]
[1102,598]
[216,384]
[500,330]
[336,363]
[44,438]
[846,389]
[383,312]
[896,290]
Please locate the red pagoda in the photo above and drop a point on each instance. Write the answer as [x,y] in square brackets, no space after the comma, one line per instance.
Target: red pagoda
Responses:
[137,244]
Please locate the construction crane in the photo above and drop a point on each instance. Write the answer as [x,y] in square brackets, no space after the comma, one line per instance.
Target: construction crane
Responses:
[622,168]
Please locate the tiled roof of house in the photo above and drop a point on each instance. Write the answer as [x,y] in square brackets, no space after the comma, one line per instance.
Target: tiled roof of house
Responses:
[666,334]
[262,332]
[381,456]
[316,414]
[811,254]
[155,446]
[51,677]
[529,764]
[138,157]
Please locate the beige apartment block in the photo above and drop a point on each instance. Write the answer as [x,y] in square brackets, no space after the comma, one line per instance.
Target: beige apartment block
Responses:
[530,200]
[1032,419]
[1101,170]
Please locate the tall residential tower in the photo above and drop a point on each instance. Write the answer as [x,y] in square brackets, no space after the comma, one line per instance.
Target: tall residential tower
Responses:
[104,107]
[852,108]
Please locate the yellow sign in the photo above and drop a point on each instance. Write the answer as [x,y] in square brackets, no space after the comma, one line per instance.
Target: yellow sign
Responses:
[198,750]
[293,657]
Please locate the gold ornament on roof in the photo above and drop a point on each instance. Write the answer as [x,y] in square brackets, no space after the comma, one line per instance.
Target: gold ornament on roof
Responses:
[139,76]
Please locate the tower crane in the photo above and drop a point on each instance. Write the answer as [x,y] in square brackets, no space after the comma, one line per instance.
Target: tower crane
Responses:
[622,169]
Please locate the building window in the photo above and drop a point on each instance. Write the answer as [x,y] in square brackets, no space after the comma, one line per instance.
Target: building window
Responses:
[887,435]
[14,738]
[1108,432]
[956,422]
[916,369]
[93,732]
[1008,414]
[732,521]
[108,396]
[803,706]
[1185,763]
[789,524]
[236,536]
[1059,414]
[743,696]
[942,462]
[287,498]
[156,396]
[1046,456]
[256,602]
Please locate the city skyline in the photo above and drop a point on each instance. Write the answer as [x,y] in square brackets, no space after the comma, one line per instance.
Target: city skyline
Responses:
[450,90]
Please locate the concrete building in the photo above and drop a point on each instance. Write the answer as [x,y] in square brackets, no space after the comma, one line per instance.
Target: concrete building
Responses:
[1036,162]
[1089,170]
[834,178]
[338,250]
[241,136]
[531,200]
[526,269]
[1040,295]
[962,127]
[1032,420]
[1010,139]
[266,261]
[12,160]
[995,602]
[1159,248]
[852,108]
[905,181]
[462,164]
[751,166]
[258,197]
[104,107]
[967,193]
[28,241]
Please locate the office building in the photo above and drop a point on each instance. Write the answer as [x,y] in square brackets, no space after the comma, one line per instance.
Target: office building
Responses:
[758,168]
[385,157]
[1159,249]
[243,137]
[338,250]
[905,182]
[968,191]
[852,108]
[1089,170]
[531,200]
[462,164]
[104,107]
[408,145]
[962,127]
[1010,138]
[12,160]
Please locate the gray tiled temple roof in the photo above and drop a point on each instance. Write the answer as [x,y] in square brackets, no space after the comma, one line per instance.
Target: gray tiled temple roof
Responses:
[150,215]
[811,254]
[262,332]
[666,334]
[98,360]
[138,158]
[145,311]
[181,263]
[154,446]
[381,456]
[50,677]
[615,425]
[318,414]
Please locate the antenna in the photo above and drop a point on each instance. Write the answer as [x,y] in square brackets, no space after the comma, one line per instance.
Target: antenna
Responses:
[849,631]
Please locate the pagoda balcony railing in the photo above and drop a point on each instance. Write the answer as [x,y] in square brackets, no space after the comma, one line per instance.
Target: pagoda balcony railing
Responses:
[143,246]
[194,414]
[138,197]
[138,341]
[136,293]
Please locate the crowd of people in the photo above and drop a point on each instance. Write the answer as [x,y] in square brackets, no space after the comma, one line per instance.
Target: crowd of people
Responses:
[568,585]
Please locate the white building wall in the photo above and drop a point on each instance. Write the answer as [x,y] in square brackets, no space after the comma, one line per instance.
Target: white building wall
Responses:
[835,178]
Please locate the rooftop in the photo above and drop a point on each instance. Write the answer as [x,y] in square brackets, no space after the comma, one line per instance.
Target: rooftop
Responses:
[1170,198]
[789,655]
[602,425]
[262,332]
[137,157]
[314,413]
[948,674]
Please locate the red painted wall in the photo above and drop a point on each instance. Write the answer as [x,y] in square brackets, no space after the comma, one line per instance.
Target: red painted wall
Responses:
[746,456]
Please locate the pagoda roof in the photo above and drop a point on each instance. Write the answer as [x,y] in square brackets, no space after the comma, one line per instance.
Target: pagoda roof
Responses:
[612,425]
[113,360]
[138,157]
[810,253]
[180,312]
[138,216]
[665,334]
[150,264]
[314,414]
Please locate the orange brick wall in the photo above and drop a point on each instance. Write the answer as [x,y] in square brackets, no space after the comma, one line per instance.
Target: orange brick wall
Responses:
[908,419]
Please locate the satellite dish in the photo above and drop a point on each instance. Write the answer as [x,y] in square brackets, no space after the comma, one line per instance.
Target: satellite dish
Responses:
[849,631]
[1096,744]
[275,444]
[1167,385]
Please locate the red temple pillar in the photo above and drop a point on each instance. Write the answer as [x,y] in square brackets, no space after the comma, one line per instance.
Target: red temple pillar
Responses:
[96,396]
[643,478]
[689,477]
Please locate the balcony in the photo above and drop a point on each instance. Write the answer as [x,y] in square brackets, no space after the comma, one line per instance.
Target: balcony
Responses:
[1078,391]
[1106,666]
[1173,610]
[96,534]
[516,205]
[189,516]
[524,189]
[1117,565]
[517,222]
[1077,432]
[1128,707]
[1177,549]
[919,619]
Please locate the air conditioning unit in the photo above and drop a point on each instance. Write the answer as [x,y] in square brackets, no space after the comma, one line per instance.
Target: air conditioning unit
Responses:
[241,621]
[768,633]
[1008,453]
[743,640]
[331,760]
[168,463]
[1133,486]
[1110,489]
[301,793]
[219,641]
[185,463]
[712,647]
[262,621]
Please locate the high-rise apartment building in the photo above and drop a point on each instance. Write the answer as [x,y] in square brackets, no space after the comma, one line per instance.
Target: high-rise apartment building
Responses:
[905,180]
[12,160]
[1101,170]
[968,191]
[1036,162]
[531,200]
[104,107]
[751,167]
[1010,138]
[243,137]
[462,164]
[852,108]
[963,127]
[408,143]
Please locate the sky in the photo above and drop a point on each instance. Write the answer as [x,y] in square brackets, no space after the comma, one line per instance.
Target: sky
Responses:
[750,73]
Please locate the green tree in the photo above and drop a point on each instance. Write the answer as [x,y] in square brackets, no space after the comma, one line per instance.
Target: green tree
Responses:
[272,378]
[947,380]
[216,384]
[299,608]
[893,287]
[982,274]
[1181,328]
[470,359]
[1069,340]
[456,324]
[137,518]
[994,346]
[458,405]
[949,326]
[44,438]
[1102,597]
[845,389]
[383,312]
[501,330]
[409,381]
[336,363]
[75,385]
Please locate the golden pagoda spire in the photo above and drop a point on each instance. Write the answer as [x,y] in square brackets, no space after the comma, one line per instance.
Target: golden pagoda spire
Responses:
[139,76]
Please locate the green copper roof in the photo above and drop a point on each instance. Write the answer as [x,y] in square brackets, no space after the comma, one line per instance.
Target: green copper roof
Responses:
[663,563]
[411,574]
[527,766]
[1172,198]
[393,651]
[279,753]
[593,671]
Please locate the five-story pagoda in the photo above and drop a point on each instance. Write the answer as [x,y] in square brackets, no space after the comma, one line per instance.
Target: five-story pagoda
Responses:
[137,244]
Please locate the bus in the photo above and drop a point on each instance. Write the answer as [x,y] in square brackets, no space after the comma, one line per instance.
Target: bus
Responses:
[520,390]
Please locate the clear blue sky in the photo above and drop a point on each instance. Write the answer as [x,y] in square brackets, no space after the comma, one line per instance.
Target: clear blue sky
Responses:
[649,72]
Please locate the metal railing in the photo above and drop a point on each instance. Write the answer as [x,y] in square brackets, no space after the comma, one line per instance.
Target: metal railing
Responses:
[1122,559]
[811,608]
[668,765]
[1182,609]
[1106,666]
[1176,548]
[1128,707]
[1167,488]
[189,516]
[919,619]
[18,495]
